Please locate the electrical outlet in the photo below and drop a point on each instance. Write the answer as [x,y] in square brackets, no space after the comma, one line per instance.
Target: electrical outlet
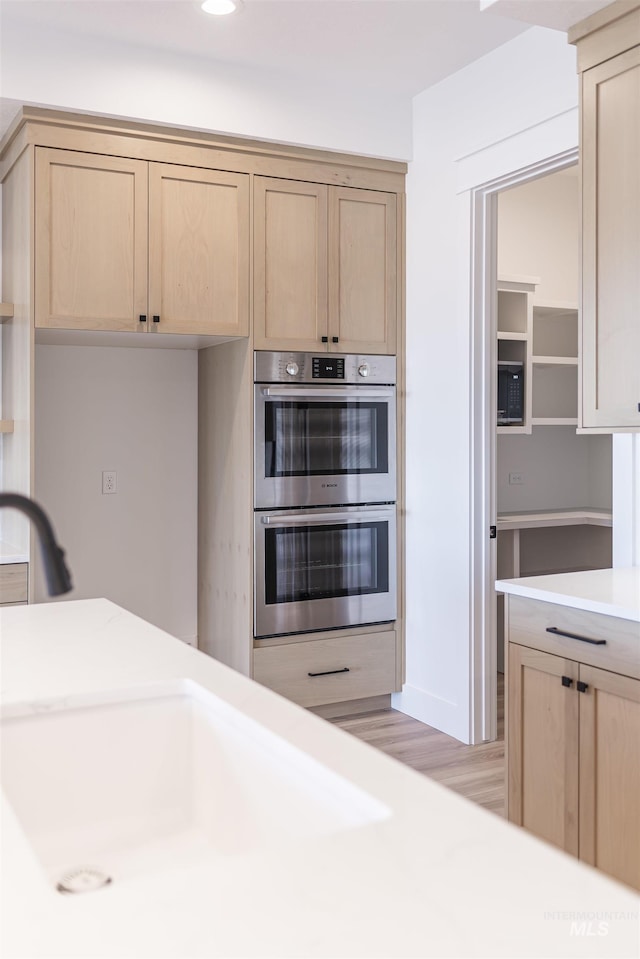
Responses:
[516,479]
[109,481]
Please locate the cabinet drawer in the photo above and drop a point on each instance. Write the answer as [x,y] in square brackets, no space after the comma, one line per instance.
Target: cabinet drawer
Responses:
[13,583]
[529,620]
[368,661]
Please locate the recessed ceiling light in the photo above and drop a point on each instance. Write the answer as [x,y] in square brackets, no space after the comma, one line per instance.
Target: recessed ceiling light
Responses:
[220,7]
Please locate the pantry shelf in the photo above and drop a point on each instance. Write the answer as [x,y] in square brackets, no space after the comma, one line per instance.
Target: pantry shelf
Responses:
[554,360]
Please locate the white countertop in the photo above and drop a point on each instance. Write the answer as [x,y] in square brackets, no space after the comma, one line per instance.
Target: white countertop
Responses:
[614,592]
[439,877]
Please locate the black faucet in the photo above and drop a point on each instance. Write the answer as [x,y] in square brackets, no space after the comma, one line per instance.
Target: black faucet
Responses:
[58,576]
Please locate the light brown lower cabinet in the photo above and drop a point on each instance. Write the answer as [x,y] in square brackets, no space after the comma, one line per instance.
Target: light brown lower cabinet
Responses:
[14,579]
[318,672]
[609,796]
[573,747]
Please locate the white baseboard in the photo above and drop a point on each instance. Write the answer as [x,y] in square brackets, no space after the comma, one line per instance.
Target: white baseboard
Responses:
[429,709]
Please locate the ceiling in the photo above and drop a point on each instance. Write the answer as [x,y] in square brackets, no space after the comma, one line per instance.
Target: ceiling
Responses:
[400,46]
[406,45]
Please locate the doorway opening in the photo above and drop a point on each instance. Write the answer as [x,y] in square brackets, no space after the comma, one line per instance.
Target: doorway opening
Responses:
[543,488]
[553,486]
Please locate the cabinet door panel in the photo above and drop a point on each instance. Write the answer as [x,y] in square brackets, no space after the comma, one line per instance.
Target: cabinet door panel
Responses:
[611,243]
[542,746]
[362,270]
[198,251]
[90,241]
[610,774]
[290,264]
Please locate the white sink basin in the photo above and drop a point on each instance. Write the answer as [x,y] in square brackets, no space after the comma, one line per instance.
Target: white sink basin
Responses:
[145,780]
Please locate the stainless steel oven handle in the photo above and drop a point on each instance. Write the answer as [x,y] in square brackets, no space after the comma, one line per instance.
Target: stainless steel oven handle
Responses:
[343,393]
[322,519]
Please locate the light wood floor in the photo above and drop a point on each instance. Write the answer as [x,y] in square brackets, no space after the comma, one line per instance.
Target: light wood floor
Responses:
[476,772]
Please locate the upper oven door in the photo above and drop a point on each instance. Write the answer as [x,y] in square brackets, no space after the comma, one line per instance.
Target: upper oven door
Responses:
[322,445]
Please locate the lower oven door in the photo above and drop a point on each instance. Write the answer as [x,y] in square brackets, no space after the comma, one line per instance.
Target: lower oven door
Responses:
[324,569]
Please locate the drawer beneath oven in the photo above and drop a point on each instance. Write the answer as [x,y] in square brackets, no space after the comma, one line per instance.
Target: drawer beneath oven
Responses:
[332,670]
[529,620]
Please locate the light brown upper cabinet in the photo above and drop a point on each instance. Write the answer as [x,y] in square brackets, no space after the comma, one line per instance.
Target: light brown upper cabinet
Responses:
[325,267]
[90,241]
[362,270]
[198,250]
[128,245]
[609,61]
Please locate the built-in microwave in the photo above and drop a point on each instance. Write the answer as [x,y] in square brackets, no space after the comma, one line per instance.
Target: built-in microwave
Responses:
[510,393]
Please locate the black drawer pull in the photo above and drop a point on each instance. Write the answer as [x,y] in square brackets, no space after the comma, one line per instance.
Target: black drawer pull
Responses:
[325,339]
[143,317]
[567,681]
[583,687]
[334,339]
[583,639]
[156,319]
[330,672]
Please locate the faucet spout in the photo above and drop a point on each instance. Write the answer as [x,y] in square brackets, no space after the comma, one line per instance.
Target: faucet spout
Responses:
[58,576]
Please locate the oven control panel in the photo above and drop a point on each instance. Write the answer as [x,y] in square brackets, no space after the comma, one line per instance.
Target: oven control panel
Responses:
[327,367]
[347,368]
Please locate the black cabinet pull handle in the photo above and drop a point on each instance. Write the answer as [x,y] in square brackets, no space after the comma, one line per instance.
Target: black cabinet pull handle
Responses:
[582,687]
[325,339]
[330,672]
[567,681]
[143,317]
[583,639]
[334,339]
[156,319]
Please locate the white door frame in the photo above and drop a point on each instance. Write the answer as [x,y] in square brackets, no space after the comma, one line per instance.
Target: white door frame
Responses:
[484,206]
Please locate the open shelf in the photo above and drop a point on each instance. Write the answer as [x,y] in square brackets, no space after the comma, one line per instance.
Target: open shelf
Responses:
[514,313]
[554,307]
[511,335]
[543,337]
[554,392]
[555,334]
[554,421]
[514,317]
[554,360]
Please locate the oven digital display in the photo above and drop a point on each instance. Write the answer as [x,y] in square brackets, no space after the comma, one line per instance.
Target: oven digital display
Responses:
[327,368]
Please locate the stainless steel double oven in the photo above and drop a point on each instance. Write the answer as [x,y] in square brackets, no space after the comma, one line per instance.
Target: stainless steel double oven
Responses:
[324,491]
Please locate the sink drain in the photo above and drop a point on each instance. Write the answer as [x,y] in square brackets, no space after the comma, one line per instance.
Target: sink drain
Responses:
[83,879]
